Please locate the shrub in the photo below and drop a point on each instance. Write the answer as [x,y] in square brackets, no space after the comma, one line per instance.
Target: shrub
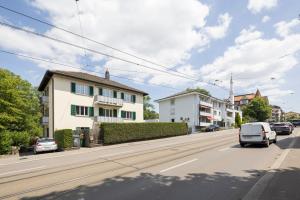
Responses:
[5,142]
[113,133]
[20,138]
[64,138]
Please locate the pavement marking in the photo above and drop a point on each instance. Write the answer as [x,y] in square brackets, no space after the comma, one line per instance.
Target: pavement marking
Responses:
[259,187]
[23,170]
[224,149]
[179,165]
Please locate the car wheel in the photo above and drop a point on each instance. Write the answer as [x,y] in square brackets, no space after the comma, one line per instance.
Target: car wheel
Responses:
[267,143]
[242,144]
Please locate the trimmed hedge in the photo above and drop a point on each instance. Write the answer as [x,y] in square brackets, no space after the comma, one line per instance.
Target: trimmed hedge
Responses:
[64,138]
[113,133]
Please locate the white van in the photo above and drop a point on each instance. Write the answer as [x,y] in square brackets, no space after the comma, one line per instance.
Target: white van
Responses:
[257,133]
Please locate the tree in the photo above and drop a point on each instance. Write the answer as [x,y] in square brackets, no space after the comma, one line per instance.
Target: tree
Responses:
[200,90]
[19,105]
[238,120]
[258,109]
[149,112]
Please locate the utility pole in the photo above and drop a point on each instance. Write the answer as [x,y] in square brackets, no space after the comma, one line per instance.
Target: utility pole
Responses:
[231,96]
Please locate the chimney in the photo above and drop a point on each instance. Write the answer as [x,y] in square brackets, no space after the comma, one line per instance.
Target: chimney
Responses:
[107,74]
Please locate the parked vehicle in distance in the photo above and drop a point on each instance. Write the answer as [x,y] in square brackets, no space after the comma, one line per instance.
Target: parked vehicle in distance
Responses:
[44,144]
[257,133]
[296,123]
[213,127]
[291,125]
[282,128]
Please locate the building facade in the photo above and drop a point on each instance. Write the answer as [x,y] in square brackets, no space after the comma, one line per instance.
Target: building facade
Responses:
[81,101]
[277,114]
[197,109]
[245,99]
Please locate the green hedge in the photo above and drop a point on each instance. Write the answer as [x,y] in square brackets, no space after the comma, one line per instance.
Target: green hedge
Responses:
[5,142]
[64,138]
[113,133]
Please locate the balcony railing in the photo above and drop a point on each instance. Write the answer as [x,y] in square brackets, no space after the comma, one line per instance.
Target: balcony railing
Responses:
[204,103]
[205,114]
[108,101]
[108,119]
[45,120]
[205,123]
[44,99]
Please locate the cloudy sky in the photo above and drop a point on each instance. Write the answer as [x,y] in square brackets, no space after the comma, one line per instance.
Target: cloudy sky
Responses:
[198,41]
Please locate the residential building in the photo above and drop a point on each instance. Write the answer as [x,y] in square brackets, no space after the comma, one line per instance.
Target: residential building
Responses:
[277,114]
[81,101]
[197,109]
[244,99]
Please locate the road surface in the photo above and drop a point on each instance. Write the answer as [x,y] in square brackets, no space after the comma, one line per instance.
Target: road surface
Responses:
[197,166]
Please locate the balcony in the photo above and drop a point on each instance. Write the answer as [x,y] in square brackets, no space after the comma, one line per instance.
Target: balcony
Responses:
[207,104]
[44,99]
[108,101]
[205,123]
[108,119]
[45,120]
[205,114]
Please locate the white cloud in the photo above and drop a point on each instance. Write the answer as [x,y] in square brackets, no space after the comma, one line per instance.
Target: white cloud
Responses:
[256,6]
[253,60]
[221,29]
[284,28]
[265,19]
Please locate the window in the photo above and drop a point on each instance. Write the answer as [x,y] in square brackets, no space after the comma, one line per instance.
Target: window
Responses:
[127,97]
[128,115]
[108,93]
[108,112]
[82,110]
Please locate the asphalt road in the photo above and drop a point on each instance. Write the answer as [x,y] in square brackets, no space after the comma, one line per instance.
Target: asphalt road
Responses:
[197,166]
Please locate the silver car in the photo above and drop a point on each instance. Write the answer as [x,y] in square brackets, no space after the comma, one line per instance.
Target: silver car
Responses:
[44,144]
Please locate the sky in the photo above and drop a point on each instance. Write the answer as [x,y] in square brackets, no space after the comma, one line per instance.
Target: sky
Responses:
[199,42]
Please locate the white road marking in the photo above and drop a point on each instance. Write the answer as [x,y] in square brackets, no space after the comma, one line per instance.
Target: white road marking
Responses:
[179,165]
[23,170]
[224,149]
[259,187]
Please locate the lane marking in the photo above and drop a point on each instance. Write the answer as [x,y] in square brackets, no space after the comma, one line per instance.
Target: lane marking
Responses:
[179,165]
[259,187]
[23,170]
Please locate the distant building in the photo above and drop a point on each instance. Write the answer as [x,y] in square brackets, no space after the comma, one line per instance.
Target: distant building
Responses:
[277,114]
[197,109]
[245,99]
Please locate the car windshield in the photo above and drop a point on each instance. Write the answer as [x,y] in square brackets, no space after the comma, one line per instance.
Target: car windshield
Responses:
[45,140]
[279,124]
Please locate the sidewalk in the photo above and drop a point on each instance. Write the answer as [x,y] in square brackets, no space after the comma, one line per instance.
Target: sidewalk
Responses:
[285,185]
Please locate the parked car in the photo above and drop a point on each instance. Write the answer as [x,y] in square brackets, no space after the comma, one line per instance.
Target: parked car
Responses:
[282,128]
[291,125]
[44,144]
[296,123]
[213,127]
[257,133]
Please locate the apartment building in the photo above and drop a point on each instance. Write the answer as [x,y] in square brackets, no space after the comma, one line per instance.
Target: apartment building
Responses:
[245,99]
[81,101]
[277,114]
[197,109]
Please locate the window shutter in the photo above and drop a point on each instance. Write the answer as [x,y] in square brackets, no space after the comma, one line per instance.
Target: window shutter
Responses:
[122,95]
[73,87]
[133,115]
[91,88]
[123,114]
[115,94]
[133,98]
[100,91]
[73,110]
[115,113]
[91,111]
[101,112]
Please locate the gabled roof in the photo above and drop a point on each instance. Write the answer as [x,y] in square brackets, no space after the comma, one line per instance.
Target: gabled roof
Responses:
[85,77]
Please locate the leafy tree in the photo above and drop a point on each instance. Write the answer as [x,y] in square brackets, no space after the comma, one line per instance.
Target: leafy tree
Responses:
[19,105]
[258,109]
[200,90]
[149,112]
[238,120]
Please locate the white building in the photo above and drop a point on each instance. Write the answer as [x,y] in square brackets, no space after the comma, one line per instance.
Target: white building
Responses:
[197,109]
[76,100]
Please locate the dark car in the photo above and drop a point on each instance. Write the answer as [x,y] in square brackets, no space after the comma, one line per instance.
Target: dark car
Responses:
[282,128]
[296,122]
[212,128]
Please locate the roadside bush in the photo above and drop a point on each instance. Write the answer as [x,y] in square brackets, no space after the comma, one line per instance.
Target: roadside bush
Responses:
[20,138]
[64,138]
[113,133]
[5,142]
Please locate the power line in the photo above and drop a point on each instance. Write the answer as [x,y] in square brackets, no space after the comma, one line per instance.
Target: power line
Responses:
[89,39]
[87,70]
[101,53]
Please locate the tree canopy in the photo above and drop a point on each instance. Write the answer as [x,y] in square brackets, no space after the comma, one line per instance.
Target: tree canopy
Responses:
[19,105]
[149,112]
[258,109]
[200,90]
